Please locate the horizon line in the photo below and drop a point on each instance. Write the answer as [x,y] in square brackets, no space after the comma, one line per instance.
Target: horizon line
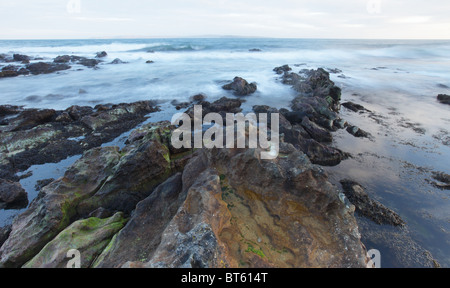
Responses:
[143,37]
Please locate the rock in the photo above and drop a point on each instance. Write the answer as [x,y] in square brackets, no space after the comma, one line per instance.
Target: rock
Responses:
[222,106]
[139,171]
[101,54]
[4,234]
[369,208]
[354,107]
[43,136]
[444,99]
[13,71]
[198,98]
[12,195]
[334,70]
[77,112]
[7,110]
[443,178]
[357,132]
[255,50]
[230,218]
[42,183]
[317,133]
[46,68]
[282,69]
[63,59]
[149,62]
[118,61]
[21,58]
[88,62]
[50,214]
[29,119]
[241,87]
[151,217]
[88,236]
[101,213]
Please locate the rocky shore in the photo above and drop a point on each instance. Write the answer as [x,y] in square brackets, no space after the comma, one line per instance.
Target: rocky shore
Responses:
[149,204]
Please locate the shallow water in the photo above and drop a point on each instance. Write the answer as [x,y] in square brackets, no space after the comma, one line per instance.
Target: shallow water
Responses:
[397,80]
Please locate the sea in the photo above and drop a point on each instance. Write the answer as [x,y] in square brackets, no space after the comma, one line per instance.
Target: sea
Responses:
[396,80]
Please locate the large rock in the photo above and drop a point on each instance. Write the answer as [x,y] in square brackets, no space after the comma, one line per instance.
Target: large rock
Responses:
[151,217]
[55,209]
[41,136]
[104,179]
[253,213]
[241,87]
[89,237]
[12,195]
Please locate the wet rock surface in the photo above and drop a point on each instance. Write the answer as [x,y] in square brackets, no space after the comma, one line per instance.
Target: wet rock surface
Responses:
[369,208]
[12,195]
[30,136]
[213,208]
[241,87]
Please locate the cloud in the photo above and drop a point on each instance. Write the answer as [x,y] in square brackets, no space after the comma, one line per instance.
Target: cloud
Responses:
[103,19]
[269,18]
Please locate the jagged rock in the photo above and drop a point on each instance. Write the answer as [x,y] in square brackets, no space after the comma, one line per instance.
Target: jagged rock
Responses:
[230,219]
[369,208]
[241,87]
[42,136]
[12,195]
[317,133]
[57,207]
[151,217]
[89,237]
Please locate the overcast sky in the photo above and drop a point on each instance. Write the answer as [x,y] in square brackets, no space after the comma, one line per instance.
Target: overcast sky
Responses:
[52,19]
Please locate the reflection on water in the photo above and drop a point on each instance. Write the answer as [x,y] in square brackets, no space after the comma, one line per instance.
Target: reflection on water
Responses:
[396,168]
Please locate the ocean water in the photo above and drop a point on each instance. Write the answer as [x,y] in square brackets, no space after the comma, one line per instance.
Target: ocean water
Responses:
[398,80]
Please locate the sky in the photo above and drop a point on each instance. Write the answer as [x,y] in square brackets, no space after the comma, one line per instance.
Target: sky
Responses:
[349,19]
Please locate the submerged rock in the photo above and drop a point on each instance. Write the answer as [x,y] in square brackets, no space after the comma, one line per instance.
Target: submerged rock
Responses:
[354,107]
[369,208]
[444,180]
[357,132]
[241,87]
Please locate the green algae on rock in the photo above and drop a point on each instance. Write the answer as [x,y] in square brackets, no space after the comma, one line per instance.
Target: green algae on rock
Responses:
[89,237]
